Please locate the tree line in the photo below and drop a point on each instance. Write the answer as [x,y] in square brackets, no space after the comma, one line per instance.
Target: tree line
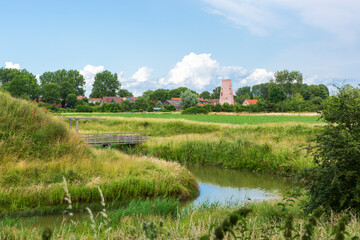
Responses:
[285,92]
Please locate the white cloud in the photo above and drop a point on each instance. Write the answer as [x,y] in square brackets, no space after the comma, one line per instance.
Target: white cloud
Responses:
[257,76]
[194,71]
[143,74]
[89,72]
[12,65]
[256,15]
[140,78]
[262,16]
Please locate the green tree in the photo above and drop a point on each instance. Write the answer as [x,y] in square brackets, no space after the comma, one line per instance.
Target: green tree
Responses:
[188,99]
[334,182]
[141,103]
[311,91]
[66,88]
[105,84]
[71,100]
[127,105]
[175,93]
[262,90]
[73,77]
[147,94]
[243,91]
[291,81]
[216,93]
[205,95]
[276,94]
[125,93]
[8,74]
[50,93]
[25,86]
[159,95]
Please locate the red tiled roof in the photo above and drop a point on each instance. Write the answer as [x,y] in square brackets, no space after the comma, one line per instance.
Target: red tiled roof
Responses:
[202,100]
[81,97]
[111,99]
[252,101]
[134,98]
[94,99]
[201,104]
[176,99]
[214,100]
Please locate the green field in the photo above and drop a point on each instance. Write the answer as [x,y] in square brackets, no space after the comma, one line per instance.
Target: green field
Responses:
[229,119]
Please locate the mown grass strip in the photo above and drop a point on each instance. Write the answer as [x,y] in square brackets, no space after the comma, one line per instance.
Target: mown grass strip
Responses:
[228,119]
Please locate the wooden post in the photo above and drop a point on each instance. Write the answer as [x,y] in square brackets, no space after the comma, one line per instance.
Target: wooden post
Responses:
[77,125]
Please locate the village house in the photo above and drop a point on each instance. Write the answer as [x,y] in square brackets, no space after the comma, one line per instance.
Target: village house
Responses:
[214,101]
[173,101]
[131,99]
[94,100]
[110,100]
[202,101]
[249,102]
[80,97]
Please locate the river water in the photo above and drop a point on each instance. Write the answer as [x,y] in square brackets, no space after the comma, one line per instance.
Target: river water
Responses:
[217,185]
[227,185]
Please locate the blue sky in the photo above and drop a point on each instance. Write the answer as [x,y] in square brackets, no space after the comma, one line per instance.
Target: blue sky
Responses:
[193,43]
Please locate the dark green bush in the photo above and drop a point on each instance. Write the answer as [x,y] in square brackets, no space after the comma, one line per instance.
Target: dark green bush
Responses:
[335,181]
[170,107]
[195,110]
[83,108]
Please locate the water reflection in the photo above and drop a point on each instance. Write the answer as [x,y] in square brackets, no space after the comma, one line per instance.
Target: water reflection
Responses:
[224,185]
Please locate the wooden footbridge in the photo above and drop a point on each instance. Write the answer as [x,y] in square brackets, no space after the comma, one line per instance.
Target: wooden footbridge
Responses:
[108,139]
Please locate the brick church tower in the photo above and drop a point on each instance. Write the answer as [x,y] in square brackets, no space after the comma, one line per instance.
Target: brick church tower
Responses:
[226,93]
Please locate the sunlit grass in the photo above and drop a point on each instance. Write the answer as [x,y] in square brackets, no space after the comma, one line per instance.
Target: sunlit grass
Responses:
[219,118]
[38,150]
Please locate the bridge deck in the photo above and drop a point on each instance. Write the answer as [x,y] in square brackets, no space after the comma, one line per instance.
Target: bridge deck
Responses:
[113,138]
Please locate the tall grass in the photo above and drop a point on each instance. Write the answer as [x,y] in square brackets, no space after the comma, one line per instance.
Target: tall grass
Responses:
[265,221]
[29,132]
[271,148]
[37,151]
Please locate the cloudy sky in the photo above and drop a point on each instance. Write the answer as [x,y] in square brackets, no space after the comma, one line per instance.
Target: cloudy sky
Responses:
[192,43]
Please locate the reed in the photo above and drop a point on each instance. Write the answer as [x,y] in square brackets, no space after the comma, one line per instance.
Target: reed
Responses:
[262,222]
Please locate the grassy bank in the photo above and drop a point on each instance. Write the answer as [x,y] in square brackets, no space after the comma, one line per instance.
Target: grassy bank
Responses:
[272,147]
[212,118]
[162,220]
[37,151]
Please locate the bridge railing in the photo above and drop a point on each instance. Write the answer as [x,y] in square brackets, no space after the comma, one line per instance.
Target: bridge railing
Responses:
[114,138]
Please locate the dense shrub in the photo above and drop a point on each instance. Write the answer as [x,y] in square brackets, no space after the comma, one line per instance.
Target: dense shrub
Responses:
[335,181]
[195,110]
[170,107]
[83,108]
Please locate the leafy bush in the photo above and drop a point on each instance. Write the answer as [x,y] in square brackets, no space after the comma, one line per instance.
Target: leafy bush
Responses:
[83,108]
[335,181]
[170,107]
[195,110]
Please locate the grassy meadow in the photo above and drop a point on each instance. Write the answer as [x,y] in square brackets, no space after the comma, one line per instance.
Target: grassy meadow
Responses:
[277,148]
[211,118]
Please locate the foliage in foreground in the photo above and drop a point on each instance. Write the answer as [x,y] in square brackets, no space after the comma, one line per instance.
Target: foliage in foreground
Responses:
[335,181]
[257,221]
